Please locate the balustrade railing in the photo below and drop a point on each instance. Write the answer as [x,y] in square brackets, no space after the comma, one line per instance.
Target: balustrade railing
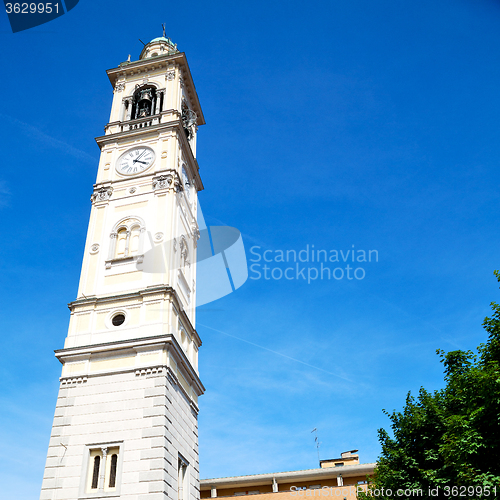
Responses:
[146,121]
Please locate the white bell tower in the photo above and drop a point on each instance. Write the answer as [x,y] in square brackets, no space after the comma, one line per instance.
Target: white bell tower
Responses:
[125,424]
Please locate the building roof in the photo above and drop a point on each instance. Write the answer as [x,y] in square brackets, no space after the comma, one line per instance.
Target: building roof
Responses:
[298,475]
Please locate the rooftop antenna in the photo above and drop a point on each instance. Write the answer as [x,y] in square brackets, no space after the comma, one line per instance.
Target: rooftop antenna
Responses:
[163,26]
[316,440]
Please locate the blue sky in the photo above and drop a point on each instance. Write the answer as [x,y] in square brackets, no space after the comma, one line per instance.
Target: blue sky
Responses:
[333,123]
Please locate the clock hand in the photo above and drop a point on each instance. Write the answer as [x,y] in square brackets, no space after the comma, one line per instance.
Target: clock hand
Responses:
[140,156]
[143,162]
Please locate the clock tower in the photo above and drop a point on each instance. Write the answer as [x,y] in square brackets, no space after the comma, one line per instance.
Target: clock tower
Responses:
[125,423]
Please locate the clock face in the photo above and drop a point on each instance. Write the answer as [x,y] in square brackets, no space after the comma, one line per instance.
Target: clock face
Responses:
[135,161]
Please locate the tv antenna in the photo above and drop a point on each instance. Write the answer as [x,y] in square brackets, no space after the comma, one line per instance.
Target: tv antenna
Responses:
[316,440]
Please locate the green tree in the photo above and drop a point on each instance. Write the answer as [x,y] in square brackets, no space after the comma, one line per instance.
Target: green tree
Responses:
[449,437]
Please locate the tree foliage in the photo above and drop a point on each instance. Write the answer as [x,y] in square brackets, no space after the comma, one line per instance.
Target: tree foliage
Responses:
[449,437]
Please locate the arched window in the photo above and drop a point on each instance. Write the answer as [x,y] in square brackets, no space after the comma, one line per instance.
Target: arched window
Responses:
[102,476]
[95,473]
[127,239]
[121,241]
[134,240]
[182,479]
[112,472]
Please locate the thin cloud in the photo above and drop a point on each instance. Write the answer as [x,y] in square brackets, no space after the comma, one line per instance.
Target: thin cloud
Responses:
[49,140]
[277,353]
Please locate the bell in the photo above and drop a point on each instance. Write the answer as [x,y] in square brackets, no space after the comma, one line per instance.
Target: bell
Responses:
[146,95]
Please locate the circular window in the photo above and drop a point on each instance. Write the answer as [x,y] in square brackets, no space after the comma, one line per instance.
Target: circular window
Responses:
[118,320]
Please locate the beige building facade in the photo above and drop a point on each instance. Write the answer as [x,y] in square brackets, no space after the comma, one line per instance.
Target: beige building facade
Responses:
[125,423]
[339,478]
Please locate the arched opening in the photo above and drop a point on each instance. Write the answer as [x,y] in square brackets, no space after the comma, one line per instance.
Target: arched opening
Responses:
[144,102]
[112,472]
[134,240]
[121,243]
[95,472]
[126,240]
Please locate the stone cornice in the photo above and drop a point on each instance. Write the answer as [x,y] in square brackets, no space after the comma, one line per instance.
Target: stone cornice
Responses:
[94,300]
[163,290]
[102,140]
[161,62]
[168,342]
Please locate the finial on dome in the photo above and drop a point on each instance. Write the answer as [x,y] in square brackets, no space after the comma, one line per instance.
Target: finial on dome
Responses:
[163,26]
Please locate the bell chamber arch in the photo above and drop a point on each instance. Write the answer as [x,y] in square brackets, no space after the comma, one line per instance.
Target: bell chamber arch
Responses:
[147,100]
